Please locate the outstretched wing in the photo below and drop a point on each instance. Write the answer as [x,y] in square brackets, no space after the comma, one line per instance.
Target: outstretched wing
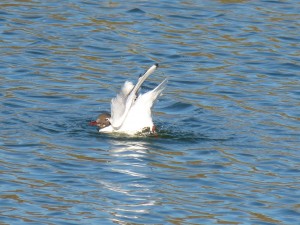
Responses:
[148,99]
[118,103]
[125,99]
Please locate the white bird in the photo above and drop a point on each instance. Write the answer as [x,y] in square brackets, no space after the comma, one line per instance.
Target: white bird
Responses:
[130,111]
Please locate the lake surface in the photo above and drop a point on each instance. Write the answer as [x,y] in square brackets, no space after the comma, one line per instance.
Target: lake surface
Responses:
[229,121]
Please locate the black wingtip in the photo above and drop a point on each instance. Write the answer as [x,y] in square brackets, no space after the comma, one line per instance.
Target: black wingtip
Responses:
[156,64]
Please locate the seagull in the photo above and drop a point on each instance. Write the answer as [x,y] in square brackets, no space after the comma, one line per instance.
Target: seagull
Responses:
[130,110]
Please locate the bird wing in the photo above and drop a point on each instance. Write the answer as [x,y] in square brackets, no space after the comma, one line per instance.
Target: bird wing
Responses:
[148,99]
[139,115]
[121,104]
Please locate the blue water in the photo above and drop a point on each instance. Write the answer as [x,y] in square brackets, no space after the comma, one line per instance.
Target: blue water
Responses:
[229,123]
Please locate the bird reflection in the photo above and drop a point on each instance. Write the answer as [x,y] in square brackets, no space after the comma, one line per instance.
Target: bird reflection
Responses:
[130,184]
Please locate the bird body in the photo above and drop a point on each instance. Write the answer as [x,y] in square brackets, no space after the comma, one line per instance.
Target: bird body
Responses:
[131,111]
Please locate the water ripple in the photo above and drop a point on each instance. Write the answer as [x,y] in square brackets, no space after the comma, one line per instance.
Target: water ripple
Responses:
[228,122]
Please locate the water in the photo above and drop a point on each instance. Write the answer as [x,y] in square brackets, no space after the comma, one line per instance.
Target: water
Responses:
[229,121]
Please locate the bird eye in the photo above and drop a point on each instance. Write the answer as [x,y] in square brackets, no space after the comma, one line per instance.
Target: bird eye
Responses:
[106,119]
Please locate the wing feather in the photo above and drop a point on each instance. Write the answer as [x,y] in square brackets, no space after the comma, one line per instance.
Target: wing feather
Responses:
[148,99]
[125,99]
[118,103]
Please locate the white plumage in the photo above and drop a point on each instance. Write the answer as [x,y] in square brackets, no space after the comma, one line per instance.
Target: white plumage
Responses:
[130,111]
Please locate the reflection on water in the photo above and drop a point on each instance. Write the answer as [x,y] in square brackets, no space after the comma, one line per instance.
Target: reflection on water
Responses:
[132,180]
[228,145]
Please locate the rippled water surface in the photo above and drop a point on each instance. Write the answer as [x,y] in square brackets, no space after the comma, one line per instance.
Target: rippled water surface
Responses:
[229,120]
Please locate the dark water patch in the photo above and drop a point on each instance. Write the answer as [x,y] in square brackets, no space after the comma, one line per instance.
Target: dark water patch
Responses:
[23,145]
[16,104]
[168,134]
[4,13]
[291,66]
[175,56]
[22,70]
[97,48]
[32,17]
[136,10]
[44,130]
[181,17]
[186,82]
[123,137]
[288,38]
[9,33]
[178,107]
[188,133]
[281,74]
[89,3]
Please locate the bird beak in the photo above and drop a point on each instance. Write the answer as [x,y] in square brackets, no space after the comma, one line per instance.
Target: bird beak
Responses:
[93,123]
